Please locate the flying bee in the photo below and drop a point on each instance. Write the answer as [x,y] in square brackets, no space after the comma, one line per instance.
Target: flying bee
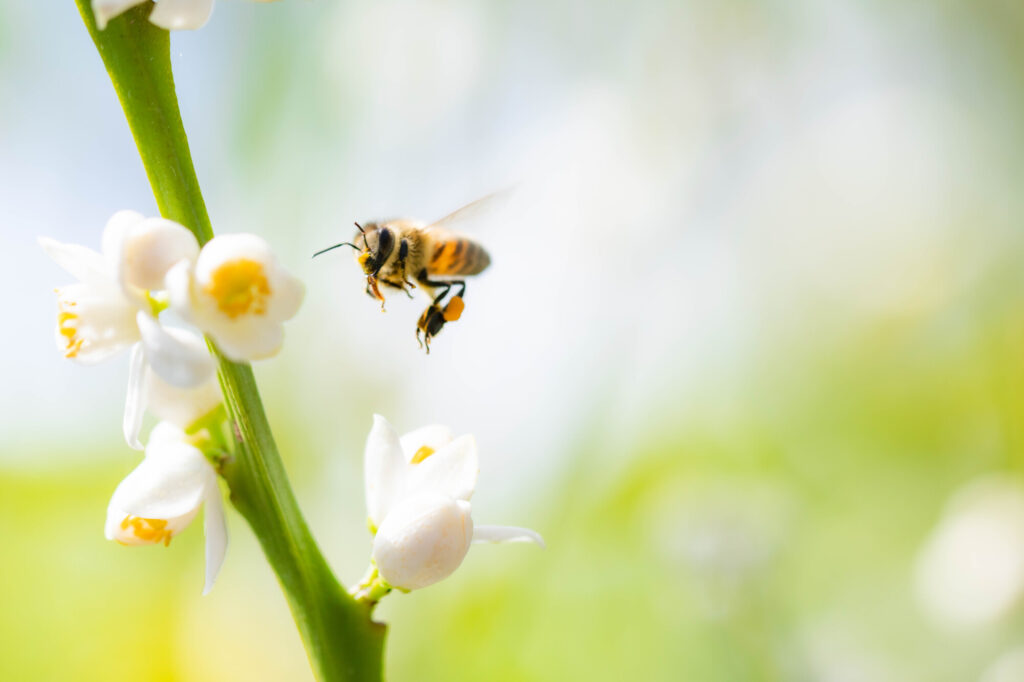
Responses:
[403,254]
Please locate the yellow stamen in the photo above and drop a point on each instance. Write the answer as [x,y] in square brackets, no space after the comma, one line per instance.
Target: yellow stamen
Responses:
[240,287]
[67,326]
[422,454]
[153,531]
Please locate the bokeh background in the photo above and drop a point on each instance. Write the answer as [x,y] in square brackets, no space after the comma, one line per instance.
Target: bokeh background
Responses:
[750,354]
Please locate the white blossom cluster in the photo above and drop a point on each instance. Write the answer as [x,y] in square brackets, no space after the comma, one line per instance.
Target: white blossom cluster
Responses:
[418,486]
[233,290]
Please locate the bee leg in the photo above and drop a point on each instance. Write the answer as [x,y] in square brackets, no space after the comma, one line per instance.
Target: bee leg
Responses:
[403,253]
[428,284]
[453,309]
[398,285]
[394,285]
[430,323]
[374,290]
[444,286]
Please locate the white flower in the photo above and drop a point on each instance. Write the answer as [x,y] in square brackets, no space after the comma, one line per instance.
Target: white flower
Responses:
[96,315]
[238,294]
[111,307]
[970,572]
[163,494]
[173,15]
[418,489]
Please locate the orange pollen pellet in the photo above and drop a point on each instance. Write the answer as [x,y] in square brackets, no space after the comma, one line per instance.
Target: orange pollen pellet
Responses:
[453,310]
[240,288]
[422,454]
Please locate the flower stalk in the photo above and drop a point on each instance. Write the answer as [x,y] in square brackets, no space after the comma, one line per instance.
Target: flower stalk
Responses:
[341,640]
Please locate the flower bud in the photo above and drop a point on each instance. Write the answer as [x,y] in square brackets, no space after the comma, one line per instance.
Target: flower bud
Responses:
[423,540]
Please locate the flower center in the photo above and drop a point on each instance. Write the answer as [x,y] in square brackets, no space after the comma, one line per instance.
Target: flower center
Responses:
[67,326]
[240,287]
[154,531]
[422,454]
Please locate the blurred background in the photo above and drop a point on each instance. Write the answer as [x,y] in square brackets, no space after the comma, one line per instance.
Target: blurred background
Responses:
[750,354]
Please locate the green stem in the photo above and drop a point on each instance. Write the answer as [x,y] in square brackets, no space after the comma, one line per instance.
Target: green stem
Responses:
[342,641]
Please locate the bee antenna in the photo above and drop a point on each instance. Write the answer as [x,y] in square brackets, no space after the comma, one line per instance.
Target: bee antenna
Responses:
[362,232]
[336,246]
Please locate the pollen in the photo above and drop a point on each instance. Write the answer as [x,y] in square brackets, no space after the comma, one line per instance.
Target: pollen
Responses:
[453,310]
[240,287]
[422,454]
[153,531]
[67,326]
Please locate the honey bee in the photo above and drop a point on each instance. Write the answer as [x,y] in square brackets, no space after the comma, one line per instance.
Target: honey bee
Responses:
[401,254]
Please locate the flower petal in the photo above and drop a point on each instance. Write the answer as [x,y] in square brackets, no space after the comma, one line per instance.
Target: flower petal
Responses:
[287,297]
[434,437]
[166,432]
[178,282]
[451,471]
[114,234]
[216,531]
[384,470]
[170,482]
[149,248]
[135,402]
[506,534]
[180,406]
[80,262]
[178,356]
[105,10]
[423,540]
[181,15]
[246,339]
[227,248]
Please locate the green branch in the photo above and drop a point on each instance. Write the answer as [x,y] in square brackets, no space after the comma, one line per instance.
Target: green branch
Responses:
[342,641]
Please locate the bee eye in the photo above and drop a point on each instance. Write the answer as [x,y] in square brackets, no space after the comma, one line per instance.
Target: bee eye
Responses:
[385,242]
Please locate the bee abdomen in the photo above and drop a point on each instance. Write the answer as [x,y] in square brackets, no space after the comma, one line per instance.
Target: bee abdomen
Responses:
[458,257]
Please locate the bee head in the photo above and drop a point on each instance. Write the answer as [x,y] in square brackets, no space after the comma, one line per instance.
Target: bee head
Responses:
[378,243]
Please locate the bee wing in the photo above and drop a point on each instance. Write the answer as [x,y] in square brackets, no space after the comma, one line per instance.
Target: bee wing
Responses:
[472,214]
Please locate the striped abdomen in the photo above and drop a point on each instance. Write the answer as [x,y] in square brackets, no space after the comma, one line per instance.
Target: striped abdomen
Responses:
[457,256]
